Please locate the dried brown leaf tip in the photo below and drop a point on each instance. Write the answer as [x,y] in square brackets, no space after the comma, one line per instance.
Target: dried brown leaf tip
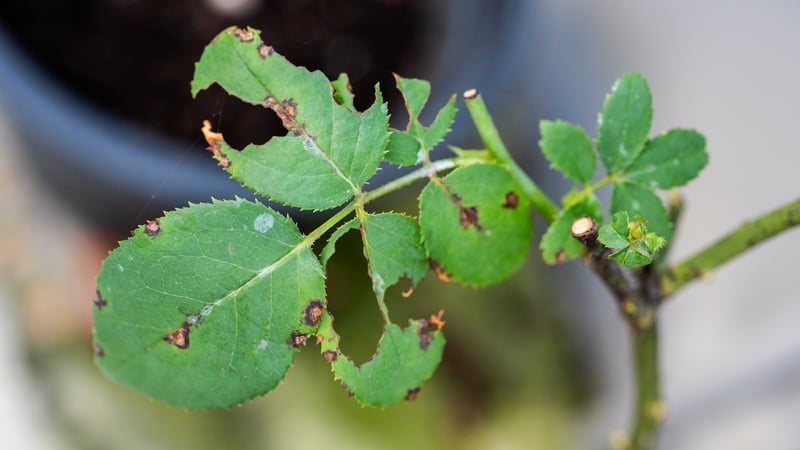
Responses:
[213,139]
[242,34]
[313,313]
[512,200]
[440,273]
[436,320]
[99,301]
[180,337]
[152,228]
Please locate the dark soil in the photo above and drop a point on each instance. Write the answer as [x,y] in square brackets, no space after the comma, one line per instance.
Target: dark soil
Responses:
[135,58]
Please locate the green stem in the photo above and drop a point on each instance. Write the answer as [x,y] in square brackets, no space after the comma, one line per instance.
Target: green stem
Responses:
[733,244]
[494,143]
[650,410]
[397,183]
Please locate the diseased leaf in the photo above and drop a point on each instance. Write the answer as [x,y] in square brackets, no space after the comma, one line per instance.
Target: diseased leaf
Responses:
[393,247]
[330,150]
[405,146]
[205,307]
[569,149]
[558,245]
[639,200]
[405,358]
[342,92]
[624,123]
[477,226]
[670,160]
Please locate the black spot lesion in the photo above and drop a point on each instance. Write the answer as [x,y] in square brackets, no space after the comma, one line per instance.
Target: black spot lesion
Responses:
[512,200]
[467,215]
[297,339]
[243,34]
[152,228]
[330,356]
[265,50]
[99,301]
[180,337]
[286,110]
[313,313]
[98,351]
[412,394]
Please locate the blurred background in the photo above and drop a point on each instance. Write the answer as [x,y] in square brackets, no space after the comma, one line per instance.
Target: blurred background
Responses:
[100,133]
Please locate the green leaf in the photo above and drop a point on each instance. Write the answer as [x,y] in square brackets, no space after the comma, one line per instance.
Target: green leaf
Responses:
[405,146]
[342,92]
[393,247]
[330,150]
[558,245]
[615,234]
[476,225]
[569,149]
[205,307]
[624,123]
[405,358]
[670,160]
[638,200]
[634,245]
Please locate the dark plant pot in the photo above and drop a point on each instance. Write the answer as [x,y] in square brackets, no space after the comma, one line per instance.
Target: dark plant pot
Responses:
[109,170]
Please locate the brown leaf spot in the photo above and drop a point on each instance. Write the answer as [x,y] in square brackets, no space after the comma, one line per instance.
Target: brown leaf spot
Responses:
[313,313]
[265,50]
[152,228]
[412,394]
[512,200]
[297,339]
[330,356]
[561,257]
[286,110]
[440,273]
[468,216]
[99,301]
[242,34]
[425,330]
[98,351]
[180,337]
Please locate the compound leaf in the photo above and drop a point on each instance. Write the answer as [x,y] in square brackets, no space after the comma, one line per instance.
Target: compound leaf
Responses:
[405,358]
[624,123]
[558,245]
[476,224]
[330,150]
[569,149]
[205,307]
[405,146]
[670,160]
